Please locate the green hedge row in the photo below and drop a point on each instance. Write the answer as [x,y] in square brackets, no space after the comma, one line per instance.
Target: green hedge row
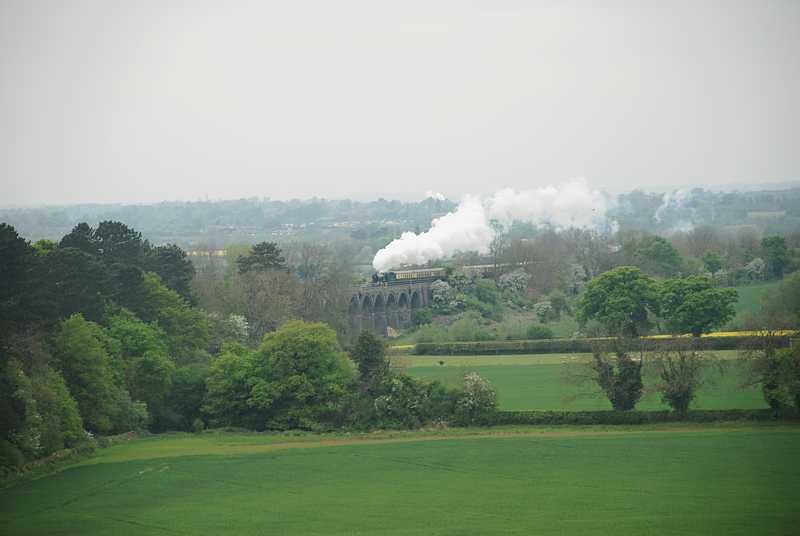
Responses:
[41,466]
[9,474]
[575,346]
[630,417]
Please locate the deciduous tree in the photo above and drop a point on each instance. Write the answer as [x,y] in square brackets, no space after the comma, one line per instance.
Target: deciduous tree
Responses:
[693,305]
[776,255]
[300,376]
[87,368]
[620,378]
[712,262]
[681,372]
[622,300]
[369,354]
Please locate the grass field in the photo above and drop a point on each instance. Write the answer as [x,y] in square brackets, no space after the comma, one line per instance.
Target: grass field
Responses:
[543,382]
[749,301]
[722,479]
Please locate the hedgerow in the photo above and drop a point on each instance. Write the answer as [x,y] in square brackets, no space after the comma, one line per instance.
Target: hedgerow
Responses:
[611,417]
[566,346]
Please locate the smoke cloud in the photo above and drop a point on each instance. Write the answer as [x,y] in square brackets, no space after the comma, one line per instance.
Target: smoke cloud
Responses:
[468,228]
[430,194]
[672,201]
[572,204]
[465,229]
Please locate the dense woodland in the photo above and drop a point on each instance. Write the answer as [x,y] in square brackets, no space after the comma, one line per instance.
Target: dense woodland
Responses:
[101,334]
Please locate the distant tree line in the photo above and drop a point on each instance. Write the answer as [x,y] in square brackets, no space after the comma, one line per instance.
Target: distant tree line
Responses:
[566,260]
[228,222]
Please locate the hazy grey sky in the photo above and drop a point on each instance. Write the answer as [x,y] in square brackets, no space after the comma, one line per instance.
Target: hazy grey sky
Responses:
[141,101]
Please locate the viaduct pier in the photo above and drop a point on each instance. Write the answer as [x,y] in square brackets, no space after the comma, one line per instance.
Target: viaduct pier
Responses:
[378,307]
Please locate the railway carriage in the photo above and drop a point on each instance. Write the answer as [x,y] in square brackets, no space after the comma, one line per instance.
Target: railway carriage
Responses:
[399,277]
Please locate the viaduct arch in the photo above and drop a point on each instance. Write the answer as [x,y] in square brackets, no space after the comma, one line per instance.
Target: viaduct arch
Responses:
[378,308]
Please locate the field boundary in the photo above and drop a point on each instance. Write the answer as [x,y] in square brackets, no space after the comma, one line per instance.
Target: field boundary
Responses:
[611,417]
[61,459]
[587,345]
[385,437]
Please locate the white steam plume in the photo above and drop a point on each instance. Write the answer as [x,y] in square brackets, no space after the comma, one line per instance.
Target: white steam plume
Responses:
[464,229]
[672,200]
[430,194]
[572,204]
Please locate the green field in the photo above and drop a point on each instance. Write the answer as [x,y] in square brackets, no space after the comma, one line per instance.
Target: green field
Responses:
[723,479]
[750,301]
[545,382]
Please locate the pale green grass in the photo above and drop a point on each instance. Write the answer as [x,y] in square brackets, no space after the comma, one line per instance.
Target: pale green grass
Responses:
[548,382]
[412,361]
[749,302]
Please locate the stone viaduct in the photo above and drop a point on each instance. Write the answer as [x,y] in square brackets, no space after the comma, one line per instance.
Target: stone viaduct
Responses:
[379,307]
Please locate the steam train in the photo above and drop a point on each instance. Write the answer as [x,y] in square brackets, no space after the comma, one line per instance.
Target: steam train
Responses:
[400,277]
[406,277]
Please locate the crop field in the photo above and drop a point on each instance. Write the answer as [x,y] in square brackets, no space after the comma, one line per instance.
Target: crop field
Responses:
[547,382]
[723,479]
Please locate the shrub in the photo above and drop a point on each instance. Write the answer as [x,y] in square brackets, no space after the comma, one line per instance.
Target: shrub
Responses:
[779,375]
[429,333]
[469,328]
[511,330]
[442,296]
[420,317]
[680,372]
[10,456]
[620,381]
[487,310]
[486,290]
[477,401]
[544,311]
[515,282]
[406,402]
[135,418]
[538,331]
[559,303]
[198,425]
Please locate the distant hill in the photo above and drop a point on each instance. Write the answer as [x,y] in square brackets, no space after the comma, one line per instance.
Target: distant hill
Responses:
[221,223]
[216,224]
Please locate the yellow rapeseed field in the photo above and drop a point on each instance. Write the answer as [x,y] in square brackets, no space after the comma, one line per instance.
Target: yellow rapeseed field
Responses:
[757,333]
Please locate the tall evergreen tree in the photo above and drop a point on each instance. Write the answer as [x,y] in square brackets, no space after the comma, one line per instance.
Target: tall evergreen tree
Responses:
[262,257]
